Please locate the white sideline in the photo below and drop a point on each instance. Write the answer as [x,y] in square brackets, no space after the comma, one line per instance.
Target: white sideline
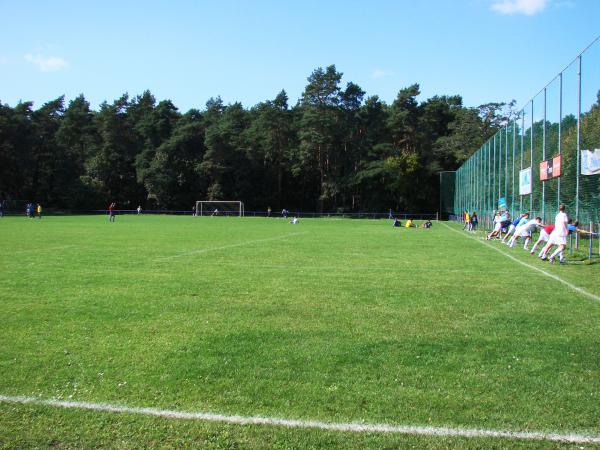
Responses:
[548,274]
[223,247]
[296,423]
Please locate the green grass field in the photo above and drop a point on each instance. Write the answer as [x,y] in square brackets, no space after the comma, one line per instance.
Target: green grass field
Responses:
[328,320]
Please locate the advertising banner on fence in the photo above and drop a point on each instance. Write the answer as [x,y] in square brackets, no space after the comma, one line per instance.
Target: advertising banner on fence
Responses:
[525,181]
[550,168]
[502,203]
[590,162]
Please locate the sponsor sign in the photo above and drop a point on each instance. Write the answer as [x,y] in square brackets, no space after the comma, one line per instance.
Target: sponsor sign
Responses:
[525,181]
[590,162]
[550,168]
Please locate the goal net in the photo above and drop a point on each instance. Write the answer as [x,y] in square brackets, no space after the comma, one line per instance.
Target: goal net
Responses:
[219,208]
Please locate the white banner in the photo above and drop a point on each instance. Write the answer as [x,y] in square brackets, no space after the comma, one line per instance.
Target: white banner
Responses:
[525,181]
[590,162]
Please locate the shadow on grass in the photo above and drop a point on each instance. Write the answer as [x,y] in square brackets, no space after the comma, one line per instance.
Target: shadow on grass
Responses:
[583,260]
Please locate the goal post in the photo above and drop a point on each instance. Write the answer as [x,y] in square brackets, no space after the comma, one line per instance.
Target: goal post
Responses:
[219,208]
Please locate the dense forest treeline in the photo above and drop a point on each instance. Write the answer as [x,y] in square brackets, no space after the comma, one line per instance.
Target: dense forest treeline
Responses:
[335,150]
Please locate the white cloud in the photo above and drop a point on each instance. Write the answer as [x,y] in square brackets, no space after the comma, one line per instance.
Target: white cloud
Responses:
[527,7]
[47,64]
[378,73]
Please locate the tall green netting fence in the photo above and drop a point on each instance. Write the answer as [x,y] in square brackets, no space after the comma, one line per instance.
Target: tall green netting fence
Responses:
[448,181]
[560,125]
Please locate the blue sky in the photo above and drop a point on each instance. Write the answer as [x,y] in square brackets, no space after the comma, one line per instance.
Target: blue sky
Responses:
[189,51]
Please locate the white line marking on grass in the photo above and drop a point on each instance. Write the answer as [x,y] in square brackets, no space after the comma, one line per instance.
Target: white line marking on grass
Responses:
[548,274]
[42,249]
[296,423]
[334,270]
[223,247]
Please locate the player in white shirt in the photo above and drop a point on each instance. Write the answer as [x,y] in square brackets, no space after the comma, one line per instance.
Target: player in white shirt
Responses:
[525,231]
[497,226]
[521,220]
[558,236]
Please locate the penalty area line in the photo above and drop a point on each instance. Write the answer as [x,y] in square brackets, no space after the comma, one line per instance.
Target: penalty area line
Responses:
[311,424]
[542,271]
[224,247]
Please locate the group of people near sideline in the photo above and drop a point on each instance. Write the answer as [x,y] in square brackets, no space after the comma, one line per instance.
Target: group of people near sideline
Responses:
[470,220]
[523,227]
[32,210]
[410,224]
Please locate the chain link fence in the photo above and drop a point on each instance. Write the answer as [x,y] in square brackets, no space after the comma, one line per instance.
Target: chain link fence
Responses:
[548,154]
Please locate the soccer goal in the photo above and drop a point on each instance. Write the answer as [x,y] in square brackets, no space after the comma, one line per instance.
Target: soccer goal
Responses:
[219,208]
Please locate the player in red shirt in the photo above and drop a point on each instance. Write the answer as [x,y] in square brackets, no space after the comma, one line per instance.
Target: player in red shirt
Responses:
[544,236]
[111,212]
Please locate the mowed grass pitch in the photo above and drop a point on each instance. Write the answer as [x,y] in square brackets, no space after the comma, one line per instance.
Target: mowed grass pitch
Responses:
[330,320]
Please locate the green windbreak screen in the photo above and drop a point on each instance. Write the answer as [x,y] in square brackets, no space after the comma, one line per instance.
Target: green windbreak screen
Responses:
[547,155]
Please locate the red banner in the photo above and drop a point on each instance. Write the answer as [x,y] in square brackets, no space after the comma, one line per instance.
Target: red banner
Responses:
[551,168]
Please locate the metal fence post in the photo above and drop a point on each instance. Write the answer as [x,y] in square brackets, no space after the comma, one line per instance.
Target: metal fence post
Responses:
[543,159]
[482,170]
[522,152]
[531,160]
[560,117]
[499,134]
[514,144]
[578,137]
[570,244]
[591,239]
[506,161]
[494,168]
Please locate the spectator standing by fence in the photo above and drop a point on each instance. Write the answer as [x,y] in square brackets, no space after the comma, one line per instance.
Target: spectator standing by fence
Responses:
[466,220]
[474,221]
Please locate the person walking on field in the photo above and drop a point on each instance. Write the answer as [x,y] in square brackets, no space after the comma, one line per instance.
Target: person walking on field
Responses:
[111,212]
[38,210]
